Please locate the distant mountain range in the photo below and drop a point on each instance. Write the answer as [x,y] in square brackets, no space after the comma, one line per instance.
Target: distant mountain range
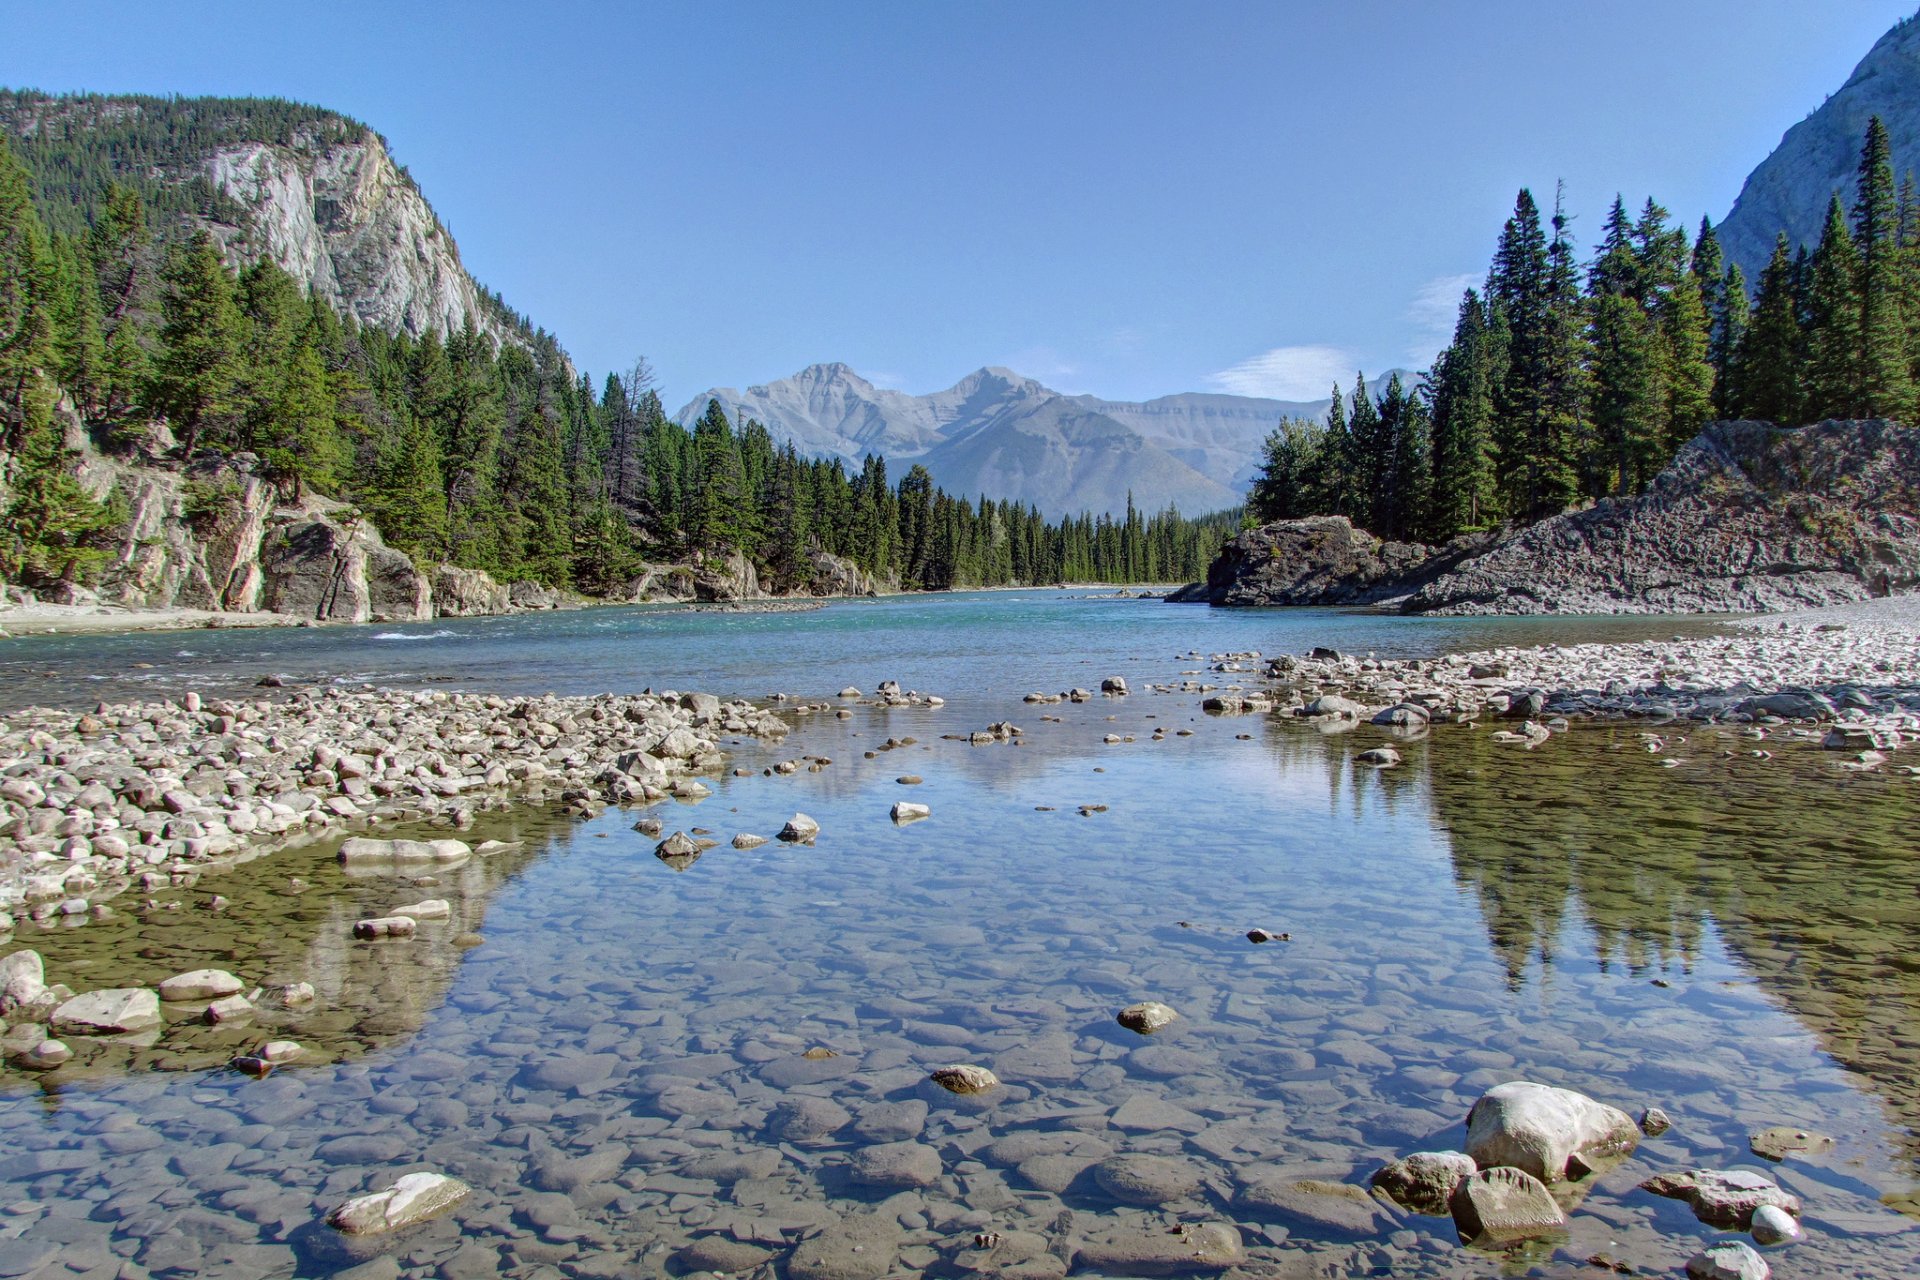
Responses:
[1005,435]
[1820,156]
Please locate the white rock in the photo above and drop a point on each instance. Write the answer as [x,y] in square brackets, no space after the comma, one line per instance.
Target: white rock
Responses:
[800,829]
[367,849]
[415,1197]
[908,811]
[200,984]
[108,1012]
[429,909]
[1728,1260]
[1774,1225]
[1540,1129]
[23,977]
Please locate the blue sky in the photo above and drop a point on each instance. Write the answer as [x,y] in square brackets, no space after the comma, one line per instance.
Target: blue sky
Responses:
[1121,198]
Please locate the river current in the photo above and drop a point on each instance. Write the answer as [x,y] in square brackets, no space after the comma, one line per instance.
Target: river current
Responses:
[610,1049]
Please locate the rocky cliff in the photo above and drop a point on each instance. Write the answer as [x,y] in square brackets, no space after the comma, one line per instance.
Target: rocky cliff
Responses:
[215,535]
[311,189]
[1790,189]
[1748,518]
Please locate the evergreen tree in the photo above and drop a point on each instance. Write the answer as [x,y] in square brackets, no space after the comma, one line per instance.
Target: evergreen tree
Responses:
[1769,362]
[196,379]
[1885,374]
[1463,382]
[1835,378]
[1728,333]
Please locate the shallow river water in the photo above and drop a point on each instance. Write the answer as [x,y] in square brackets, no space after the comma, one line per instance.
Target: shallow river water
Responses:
[613,1051]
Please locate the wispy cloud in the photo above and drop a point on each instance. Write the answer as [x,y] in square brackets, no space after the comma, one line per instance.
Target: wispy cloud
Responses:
[1435,307]
[1288,373]
[886,380]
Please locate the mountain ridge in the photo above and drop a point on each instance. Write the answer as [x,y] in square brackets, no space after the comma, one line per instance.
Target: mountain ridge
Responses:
[998,431]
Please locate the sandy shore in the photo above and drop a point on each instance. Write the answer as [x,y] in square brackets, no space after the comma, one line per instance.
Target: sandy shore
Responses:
[88,619]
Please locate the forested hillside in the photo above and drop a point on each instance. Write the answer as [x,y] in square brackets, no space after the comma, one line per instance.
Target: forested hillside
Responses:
[460,449]
[1566,383]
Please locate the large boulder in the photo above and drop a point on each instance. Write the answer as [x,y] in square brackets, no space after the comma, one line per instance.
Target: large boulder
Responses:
[1317,560]
[317,568]
[466,593]
[1551,1133]
[722,579]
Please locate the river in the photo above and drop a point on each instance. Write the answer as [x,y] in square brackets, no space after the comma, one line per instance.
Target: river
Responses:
[611,1049]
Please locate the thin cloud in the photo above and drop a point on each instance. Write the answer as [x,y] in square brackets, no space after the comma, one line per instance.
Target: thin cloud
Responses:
[1288,373]
[1432,313]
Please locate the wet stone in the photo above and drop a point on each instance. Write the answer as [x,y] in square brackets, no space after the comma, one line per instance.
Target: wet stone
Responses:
[896,1164]
[807,1119]
[857,1247]
[1147,1180]
[1778,1142]
[1146,1017]
[1424,1181]
[1727,1260]
[1336,1208]
[1497,1208]
[892,1121]
[1155,1251]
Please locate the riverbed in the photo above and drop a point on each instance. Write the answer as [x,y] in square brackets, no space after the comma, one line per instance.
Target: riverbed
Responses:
[610,1048]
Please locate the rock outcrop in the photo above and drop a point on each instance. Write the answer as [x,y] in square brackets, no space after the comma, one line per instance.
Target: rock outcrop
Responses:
[315,191]
[341,573]
[1319,560]
[1748,517]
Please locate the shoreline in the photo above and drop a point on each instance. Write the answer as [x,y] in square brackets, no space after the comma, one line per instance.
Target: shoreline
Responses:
[95,804]
[1854,668]
[22,621]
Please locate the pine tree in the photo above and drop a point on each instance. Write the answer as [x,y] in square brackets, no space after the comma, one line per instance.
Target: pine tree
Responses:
[1463,382]
[48,528]
[1770,360]
[1728,333]
[1835,378]
[1886,387]
[299,438]
[196,379]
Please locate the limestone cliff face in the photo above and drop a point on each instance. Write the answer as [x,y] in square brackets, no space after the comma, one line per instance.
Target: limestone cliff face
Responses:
[342,218]
[1819,156]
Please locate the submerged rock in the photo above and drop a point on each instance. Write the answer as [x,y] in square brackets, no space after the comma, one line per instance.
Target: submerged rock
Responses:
[1547,1132]
[415,1197]
[1146,1180]
[860,1246]
[1780,1141]
[1156,1251]
[1424,1181]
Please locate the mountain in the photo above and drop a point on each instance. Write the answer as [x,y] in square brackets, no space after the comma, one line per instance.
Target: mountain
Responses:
[1791,188]
[999,433]
[314,190]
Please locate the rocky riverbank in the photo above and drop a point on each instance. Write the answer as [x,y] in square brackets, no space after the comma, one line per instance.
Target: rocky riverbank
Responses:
[1853,671]
[127,796]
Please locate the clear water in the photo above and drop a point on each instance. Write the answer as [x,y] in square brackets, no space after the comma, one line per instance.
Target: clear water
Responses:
[1477,915]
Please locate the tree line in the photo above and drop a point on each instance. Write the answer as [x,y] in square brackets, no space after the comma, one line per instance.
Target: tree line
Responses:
[494,456]
[1566,383]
